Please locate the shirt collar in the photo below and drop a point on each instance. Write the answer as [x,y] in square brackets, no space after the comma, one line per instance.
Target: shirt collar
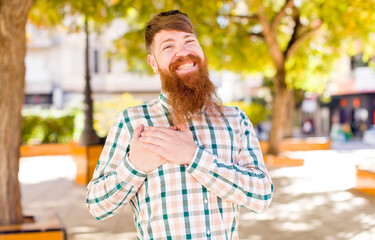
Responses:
[163,98]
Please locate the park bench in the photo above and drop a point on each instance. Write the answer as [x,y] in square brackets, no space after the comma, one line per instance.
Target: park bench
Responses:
[365,177]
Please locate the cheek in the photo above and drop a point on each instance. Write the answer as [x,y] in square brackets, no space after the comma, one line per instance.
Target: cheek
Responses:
[165,60]
[198,51]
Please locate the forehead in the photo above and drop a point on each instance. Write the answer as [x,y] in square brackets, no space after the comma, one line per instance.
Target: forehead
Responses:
[171,35]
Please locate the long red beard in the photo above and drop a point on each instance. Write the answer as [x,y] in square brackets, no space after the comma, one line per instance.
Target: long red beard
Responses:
[190,93]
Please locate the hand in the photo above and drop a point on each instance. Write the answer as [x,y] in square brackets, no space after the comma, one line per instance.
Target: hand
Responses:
[140,157]
[176,144]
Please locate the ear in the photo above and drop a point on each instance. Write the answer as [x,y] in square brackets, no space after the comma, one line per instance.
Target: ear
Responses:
[152,61]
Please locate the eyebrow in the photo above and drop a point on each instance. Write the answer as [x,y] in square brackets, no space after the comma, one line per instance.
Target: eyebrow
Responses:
[167,40]
[171,39]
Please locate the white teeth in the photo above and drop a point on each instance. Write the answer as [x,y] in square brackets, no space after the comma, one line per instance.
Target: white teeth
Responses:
[186,66]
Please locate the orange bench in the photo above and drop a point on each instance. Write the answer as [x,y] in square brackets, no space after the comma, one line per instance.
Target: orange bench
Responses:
[365,179]
[300,144]
[282,161]
[44,225]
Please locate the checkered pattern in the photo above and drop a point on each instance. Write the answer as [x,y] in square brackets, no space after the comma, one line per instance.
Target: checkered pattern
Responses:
[196,201]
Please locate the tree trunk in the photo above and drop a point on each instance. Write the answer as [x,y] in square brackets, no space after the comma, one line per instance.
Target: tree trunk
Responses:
[279,110]
[88,136]
[290,104]
[13,15]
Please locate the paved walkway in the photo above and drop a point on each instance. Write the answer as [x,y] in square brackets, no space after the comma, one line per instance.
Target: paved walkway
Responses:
[312,202]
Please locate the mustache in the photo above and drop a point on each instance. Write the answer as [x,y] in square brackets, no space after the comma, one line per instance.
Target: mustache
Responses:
[178,61]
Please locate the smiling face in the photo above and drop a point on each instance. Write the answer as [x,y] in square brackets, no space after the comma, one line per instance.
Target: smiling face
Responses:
[175,53]
[173,50]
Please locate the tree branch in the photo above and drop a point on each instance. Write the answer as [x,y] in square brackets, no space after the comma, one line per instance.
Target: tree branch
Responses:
[270,38]
[281,14]
[296,29]
[293,45]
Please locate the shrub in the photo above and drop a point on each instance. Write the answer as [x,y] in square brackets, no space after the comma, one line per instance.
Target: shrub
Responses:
[47,126]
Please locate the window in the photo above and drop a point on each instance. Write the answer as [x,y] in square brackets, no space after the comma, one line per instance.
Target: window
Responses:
[96,61]
[357,61]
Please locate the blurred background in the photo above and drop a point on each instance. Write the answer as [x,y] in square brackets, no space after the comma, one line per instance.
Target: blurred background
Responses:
[303,71]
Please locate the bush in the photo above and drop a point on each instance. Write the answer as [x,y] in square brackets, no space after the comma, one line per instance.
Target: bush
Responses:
[62,126]
[256,112]
[47,126]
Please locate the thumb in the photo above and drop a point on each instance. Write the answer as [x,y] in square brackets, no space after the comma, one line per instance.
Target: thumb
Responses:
[137,132]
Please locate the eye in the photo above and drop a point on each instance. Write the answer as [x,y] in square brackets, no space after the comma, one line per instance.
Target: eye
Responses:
[167,47]
[189,41]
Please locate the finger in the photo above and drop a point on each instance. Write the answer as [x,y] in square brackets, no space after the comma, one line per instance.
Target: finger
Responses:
[137,132]
[156,133]
[153,140]
[155,149]
[159,129]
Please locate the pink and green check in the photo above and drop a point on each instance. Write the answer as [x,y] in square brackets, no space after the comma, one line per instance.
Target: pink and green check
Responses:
[201,200]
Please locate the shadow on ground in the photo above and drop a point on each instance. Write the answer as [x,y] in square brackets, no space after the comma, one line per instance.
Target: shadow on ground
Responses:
[312,202]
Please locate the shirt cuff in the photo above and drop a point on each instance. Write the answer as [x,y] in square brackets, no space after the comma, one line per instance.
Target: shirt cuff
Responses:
[201,164]
[128,173]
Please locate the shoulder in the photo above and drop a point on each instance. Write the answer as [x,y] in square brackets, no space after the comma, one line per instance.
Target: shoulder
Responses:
[136,112]
[232,111]
[235,114]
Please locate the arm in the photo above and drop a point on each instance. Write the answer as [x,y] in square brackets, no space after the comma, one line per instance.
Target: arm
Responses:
[115,179]
[245,182]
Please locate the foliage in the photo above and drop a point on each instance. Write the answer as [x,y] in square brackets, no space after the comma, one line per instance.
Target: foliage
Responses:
[297,39]
[63,126]
[48,126]
[293,41]
[105,111]
[256,112]
[71,13]
[233,38]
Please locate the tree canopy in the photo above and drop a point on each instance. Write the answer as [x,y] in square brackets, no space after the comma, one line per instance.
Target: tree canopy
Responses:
[293,41]
[71,13]
[311,34]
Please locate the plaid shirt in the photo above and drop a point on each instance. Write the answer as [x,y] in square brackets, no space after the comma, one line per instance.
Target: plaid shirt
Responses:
[197,201]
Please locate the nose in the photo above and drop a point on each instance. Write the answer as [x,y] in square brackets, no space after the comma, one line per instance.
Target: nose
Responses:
[182,50]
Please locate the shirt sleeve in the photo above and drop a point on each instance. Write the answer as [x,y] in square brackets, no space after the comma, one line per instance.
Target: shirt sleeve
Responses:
[115,180]
[245,182]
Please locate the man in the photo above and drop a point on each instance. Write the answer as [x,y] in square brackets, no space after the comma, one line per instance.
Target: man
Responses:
[184,162]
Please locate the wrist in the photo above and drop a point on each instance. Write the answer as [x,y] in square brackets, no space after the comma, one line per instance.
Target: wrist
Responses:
[191,155]
[137,167]
[134,165]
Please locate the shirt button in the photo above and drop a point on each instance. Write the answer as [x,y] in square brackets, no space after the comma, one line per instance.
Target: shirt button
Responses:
[205,201]
[208,232]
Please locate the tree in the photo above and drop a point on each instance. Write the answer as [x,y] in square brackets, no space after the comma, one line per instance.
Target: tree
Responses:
[52,13]
[294,41]
[13,16]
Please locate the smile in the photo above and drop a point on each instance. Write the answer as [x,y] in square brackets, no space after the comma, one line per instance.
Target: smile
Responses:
[186,66]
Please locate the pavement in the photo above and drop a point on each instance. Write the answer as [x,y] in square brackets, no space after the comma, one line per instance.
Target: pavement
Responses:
[312,202]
